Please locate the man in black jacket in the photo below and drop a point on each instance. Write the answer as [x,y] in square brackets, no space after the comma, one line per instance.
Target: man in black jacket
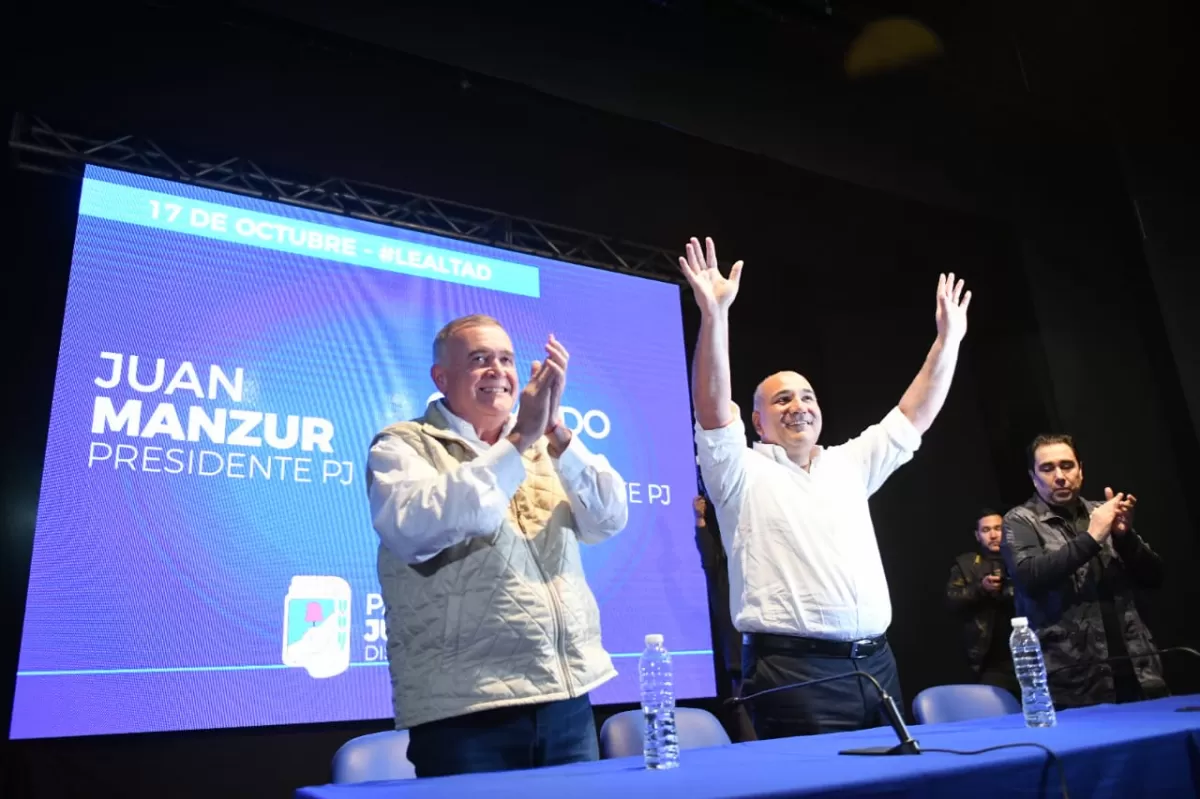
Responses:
[727,641]
[1075,564]
[982,598]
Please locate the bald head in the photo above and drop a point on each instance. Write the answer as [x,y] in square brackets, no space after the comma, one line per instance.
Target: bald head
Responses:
[772,384]
[786,414]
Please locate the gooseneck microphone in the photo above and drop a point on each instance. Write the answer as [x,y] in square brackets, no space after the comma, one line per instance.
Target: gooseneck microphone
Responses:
[1120,658]
[907,745]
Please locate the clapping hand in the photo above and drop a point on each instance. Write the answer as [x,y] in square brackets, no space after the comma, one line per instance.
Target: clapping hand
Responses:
[538,400]
[1105,518]
[1123,517]
[557,354]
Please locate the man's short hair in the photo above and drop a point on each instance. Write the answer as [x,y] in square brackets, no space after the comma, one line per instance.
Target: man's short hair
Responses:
[1045,440]
[985,512]
[455,325]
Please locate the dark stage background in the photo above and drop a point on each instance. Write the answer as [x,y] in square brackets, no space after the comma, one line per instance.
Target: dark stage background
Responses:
[1041,158]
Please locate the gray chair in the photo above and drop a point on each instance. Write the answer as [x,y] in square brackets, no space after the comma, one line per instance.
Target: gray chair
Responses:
[378,756]
[943,703]
[621,735]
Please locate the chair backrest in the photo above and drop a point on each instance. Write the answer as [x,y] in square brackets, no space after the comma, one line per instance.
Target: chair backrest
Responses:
[621,735]
[943,703]
[378,756]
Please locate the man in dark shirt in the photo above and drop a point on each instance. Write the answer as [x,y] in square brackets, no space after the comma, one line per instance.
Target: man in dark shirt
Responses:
[980,595]
[727,641]
[1075,564]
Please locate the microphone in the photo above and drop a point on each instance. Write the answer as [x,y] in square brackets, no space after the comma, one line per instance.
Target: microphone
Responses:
[907,745]
[1120,658]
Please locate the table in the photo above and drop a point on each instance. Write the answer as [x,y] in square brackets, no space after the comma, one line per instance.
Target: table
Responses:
[1142,749]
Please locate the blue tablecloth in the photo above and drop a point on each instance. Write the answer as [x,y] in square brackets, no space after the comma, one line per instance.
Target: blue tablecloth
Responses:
[1144,749]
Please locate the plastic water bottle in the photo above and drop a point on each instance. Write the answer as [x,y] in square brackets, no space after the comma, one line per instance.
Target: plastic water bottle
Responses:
[660,741]
[1031,674]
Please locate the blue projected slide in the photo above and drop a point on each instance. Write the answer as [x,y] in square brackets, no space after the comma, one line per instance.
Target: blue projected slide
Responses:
[204,555]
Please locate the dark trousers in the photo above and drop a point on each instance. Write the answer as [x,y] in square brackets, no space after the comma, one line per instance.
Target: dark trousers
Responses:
[837,706]
[736,718]
[525,736]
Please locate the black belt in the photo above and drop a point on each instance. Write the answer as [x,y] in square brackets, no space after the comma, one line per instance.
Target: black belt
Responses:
[814,647]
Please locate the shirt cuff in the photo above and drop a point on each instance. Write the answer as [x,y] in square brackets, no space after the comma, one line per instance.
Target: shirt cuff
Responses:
[901,430]
[503,460]
[735,431]
[573,460]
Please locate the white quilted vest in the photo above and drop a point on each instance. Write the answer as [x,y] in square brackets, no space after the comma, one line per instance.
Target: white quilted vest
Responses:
[498,620]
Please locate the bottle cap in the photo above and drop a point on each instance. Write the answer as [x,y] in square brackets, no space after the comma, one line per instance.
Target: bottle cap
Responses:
[1020,621]
[654,639]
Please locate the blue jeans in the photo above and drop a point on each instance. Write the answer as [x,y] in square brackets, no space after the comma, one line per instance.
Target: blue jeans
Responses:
[525,736]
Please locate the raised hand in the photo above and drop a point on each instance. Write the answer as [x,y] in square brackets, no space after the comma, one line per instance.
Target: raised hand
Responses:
[952,307]
[714,292]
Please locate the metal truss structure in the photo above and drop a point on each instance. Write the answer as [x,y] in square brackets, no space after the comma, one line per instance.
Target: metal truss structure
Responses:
[36,146]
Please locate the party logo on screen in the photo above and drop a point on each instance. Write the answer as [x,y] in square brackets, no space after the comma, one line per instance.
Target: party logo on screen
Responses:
[316,625]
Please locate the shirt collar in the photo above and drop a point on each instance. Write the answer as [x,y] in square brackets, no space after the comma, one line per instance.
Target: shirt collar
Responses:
[780,456]
[1045,512]
[466,430]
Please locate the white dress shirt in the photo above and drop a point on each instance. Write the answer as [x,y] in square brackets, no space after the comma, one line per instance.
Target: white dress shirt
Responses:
[803,559]
[419,511]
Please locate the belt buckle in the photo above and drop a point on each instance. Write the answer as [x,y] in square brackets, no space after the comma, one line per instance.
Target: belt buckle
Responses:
[854,647]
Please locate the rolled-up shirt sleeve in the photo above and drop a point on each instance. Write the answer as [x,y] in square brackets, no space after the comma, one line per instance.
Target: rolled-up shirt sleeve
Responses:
[722,456]
[418,511]
[883,448]
[597,493]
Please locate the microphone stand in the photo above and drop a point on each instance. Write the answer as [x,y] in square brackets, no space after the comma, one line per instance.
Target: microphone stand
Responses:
[1120,658]
[907,745]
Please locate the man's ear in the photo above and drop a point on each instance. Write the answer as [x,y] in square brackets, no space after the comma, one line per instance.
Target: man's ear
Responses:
[757,420]
[438,375]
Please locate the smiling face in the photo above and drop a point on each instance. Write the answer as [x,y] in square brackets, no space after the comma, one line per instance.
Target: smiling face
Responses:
[477,375]
[786,412]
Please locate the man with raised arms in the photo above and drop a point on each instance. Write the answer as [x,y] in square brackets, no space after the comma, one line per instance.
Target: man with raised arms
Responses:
[807,587]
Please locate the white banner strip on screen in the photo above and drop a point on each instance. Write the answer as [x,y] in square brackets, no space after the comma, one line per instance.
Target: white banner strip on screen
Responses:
[282,234]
